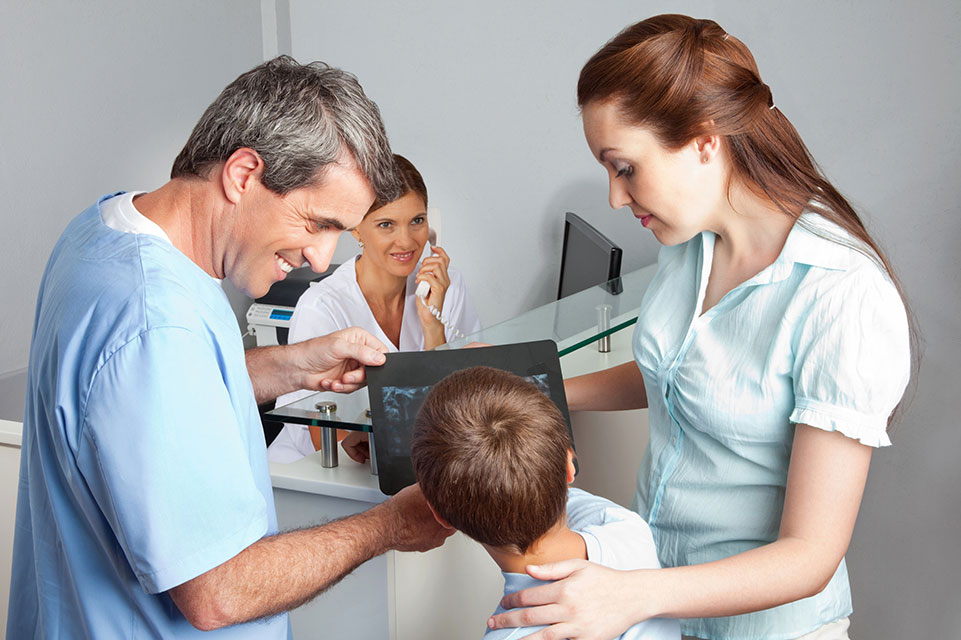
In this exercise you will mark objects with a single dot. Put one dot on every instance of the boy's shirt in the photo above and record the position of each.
(615, 537)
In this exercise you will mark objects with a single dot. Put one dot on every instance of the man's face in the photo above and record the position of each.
(273, 234)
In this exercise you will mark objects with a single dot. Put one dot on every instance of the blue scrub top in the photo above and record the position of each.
(819, 337)
(143, 462)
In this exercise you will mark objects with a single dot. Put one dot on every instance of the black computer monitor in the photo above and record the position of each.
(588, 257)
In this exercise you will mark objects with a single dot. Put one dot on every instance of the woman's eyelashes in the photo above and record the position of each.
(625, 170)
(388, 225)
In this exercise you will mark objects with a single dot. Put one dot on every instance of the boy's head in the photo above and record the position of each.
(491, 454)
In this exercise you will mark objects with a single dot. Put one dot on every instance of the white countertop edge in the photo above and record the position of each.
(588, 360)
(11, 433)
(334, 490)
(348, 480)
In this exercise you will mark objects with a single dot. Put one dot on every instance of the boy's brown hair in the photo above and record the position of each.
(490, 453)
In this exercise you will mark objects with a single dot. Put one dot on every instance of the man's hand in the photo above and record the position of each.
(280, 572)
(336, 362)
(413, 526)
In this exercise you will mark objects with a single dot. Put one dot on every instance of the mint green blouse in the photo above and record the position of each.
(819, 337)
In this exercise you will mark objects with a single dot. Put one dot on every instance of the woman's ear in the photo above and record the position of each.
(570, 466)
(707, 147)
(240, 172)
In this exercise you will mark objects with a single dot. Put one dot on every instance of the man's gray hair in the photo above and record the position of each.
(300, 119)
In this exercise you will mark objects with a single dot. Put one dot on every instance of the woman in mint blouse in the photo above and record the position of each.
(771, 349)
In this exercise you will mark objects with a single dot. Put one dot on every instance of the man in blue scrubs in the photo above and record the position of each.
(145, 507)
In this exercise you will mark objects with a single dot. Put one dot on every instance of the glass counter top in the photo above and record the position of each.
(571, 322)
(352, 411)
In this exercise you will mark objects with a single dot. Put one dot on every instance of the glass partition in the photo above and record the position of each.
(572, 322)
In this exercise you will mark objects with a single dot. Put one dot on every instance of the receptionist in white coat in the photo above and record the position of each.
(376, 289)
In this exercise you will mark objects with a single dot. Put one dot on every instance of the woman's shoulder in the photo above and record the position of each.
(838, 262)
(342, 282)
(327, 305)
(456, 277)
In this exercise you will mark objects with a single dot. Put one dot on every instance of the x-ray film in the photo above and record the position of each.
(398, 388)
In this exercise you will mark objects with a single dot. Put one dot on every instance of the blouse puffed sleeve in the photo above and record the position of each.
(852, 356)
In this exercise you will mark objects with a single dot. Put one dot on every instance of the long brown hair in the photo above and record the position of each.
(682, 78)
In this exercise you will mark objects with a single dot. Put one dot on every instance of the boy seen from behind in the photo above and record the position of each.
(493, 457)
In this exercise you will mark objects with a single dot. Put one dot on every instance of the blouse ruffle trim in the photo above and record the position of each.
(870, 431)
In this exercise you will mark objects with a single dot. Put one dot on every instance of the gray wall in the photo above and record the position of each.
(96, 97)
(480, 97)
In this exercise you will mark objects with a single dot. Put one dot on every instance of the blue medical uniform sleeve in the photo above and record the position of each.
(852, 358)
(163, 454)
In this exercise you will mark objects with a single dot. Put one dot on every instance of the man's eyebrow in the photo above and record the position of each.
(332, 222)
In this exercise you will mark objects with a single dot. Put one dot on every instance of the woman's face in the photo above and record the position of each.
(672, 193)
(394, 235)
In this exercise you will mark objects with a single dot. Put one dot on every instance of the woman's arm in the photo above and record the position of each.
(614, 389)
(825, 484)
(433, 271)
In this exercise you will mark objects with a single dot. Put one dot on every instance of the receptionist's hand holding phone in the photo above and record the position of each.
(432, 283)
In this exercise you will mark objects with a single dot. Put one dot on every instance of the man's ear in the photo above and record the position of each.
(570, 466)
(441, 521)
(241, 170)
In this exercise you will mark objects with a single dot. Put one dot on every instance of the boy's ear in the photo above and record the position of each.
(570, 466)
(441, 521)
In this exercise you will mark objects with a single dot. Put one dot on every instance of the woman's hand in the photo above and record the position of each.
(357, 446)
(433, 271)
(826, 478)
(588, 602)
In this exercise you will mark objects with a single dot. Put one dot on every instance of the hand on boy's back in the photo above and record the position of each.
(414, 525)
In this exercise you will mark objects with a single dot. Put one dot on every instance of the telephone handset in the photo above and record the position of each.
(423, 290)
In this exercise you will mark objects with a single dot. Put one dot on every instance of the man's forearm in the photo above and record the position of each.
(282, 572)
(270, 372)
